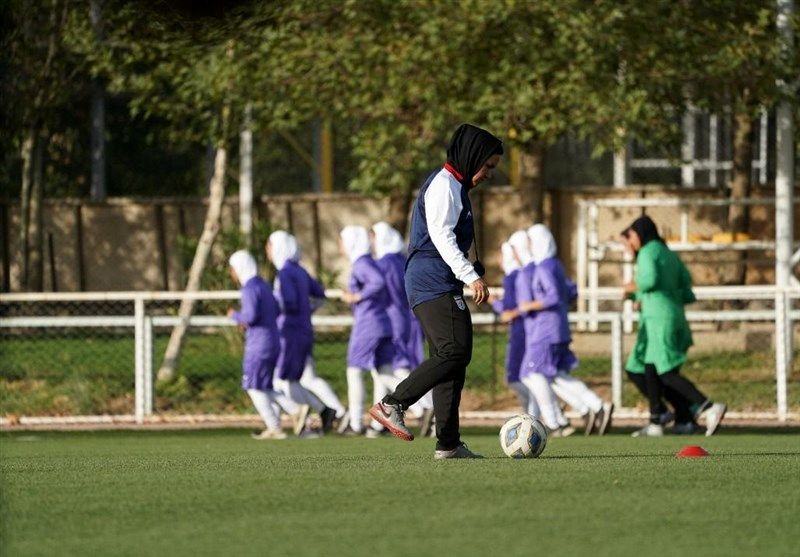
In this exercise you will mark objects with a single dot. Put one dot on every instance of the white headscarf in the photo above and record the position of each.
(244, 265)
(510, 263)
(543, 245)
(521, 245)
(356, 242)
(387, 240)
(284, 248)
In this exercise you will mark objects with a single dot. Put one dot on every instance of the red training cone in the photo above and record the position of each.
(692, 451)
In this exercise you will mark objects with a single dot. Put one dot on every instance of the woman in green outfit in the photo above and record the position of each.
(661, 289)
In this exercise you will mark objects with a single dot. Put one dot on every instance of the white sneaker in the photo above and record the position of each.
(563, 431)
(269, 434)
(589, 421)
(604, 418)
(650, 430)
(344, 422)
(714, 415)
(299, 418)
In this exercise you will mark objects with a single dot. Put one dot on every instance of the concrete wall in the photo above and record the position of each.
(133, 244)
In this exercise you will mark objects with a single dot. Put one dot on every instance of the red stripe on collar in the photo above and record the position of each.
(449, 167)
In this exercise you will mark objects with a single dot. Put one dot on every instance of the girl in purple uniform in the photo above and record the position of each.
(548, 358)
(296, 293)
(258, 315)
(506, 308)
(370, 344)
(389, 248)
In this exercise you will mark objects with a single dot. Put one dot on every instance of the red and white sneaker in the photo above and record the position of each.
(390, 416)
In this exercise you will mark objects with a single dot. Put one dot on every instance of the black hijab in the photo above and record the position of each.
(470, 148)
(645, 228)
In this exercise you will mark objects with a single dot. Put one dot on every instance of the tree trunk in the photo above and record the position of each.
(26, 153)
(741, 182)
(741, 177)
(210, 229)
(246, 177)
(35, 259)
(98, 190)
(400, 209)
(531, 163)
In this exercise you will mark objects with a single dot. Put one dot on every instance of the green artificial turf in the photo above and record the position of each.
(221, 493)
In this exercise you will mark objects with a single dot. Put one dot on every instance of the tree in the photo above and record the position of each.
(41, 78)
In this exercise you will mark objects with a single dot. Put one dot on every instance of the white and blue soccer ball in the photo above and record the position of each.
(523, 436)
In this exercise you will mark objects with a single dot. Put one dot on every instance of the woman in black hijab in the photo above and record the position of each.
(437, 270)
(663, 286)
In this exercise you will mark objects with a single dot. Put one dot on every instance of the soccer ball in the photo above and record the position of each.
(523, 436)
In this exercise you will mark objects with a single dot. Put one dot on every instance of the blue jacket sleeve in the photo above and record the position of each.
(523, 289)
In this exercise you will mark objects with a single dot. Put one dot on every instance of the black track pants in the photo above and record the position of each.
(447, 324)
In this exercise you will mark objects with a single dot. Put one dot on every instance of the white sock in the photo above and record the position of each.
(381, 386)
(301, 396)
(355, 396)
(539, 387)
(320, 388)
(263, 403)
(526, 400)
(574, 392)
(280, 398)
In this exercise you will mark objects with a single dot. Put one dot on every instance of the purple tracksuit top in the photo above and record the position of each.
(392, 266)
(551, 286)
(258, 313)
(547, 334)
(370, 315)
(516, 329)
(294, 289)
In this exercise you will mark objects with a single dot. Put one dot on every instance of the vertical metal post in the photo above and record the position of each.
(784, 219)
(782, 356)
(616, 361)
(688, 149)
(148, 365)
(594, 267)
(713, 139)
(627, 305)
(684, 225)
(622, 167)
(762, 147)
(581, 262)
(139, 371)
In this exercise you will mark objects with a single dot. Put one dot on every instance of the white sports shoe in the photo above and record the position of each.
(714, 416)
(650, 430)
(299, 418)
(269, 434)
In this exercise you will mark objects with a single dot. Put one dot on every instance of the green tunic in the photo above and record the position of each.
(664, 286)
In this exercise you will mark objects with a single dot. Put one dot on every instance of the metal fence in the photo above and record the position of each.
(96, 353)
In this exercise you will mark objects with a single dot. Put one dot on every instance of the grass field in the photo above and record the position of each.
(52, 375)
(220, 493)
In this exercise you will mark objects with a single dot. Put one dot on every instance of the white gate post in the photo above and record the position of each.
(616, 361)
(148, 366)
(139, 359)
(782, 356)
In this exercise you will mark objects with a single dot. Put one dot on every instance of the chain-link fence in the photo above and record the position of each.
(91, 356)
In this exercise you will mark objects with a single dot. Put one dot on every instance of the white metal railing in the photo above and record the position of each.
(143, 323)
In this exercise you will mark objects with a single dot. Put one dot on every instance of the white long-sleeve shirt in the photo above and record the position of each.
(442, 208)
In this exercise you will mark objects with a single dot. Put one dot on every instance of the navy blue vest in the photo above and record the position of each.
(427, 275)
